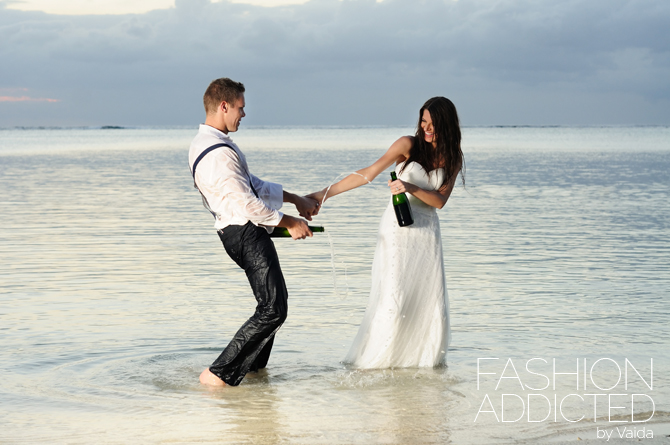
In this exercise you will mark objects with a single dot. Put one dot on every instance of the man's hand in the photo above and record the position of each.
(296, 227)
(307, 207)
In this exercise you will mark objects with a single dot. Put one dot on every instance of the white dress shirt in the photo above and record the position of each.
(223, 179)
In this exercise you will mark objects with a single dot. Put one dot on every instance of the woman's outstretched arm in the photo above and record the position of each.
(397, 152)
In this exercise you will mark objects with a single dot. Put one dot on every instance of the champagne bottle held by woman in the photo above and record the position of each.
(403, 211)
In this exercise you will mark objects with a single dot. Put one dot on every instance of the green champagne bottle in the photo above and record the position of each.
(282, 232)
(403, 212)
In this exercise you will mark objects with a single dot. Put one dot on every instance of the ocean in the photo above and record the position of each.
(115, 292)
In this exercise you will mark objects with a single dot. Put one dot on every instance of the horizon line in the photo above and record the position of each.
(315, 126)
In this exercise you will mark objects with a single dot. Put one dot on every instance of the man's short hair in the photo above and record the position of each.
(221, 90)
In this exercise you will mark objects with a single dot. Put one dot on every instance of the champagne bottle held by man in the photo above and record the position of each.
(403, 211)
(281, 232)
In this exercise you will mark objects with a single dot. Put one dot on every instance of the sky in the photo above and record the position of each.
(335, 62)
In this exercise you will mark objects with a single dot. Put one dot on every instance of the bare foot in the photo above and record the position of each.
(207, 378)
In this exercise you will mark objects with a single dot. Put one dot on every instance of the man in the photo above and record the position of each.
(245, 210)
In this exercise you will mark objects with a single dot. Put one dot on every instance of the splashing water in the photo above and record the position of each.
(332, 264)
(325, 195)
(332, 246)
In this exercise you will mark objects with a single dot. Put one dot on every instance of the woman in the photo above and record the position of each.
(406, 323)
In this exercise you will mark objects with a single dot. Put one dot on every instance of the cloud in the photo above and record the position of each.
(105, 7)
(353, 61)
(25, 99)
(84, 7)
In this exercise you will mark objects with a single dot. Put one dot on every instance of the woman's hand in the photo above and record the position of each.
(434, 198)
(318, 196)
(399, 186)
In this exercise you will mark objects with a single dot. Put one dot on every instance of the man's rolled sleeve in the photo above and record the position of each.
(239, 195)
(254, 209)
(270, 192)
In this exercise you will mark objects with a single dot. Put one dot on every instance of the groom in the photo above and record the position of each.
(245, 210)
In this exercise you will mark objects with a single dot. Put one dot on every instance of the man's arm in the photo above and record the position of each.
(222, 178)
(231, 179)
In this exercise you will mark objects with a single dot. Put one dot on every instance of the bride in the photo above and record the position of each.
(406, 323)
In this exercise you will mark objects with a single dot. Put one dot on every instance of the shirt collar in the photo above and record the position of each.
(209, 130)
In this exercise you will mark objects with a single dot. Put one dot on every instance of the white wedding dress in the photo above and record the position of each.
(406, 322)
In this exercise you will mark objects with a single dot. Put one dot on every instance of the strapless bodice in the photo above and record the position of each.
(414, 173)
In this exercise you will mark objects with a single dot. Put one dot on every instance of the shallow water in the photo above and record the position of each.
(115, 291)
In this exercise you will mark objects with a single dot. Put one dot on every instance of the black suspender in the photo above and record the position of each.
(202, 155)
(197, 161)
(207, 150)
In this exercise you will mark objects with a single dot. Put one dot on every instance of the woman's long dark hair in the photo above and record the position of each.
(447, 135)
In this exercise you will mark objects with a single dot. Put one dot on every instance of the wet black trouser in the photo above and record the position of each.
(249, 350)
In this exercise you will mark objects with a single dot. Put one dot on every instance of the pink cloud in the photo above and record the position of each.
(26, 99)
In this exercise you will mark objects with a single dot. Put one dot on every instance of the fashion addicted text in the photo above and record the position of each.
(604, 389)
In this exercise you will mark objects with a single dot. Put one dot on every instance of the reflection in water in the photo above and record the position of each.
(115, 291)
(404, 404)
(250, 410)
